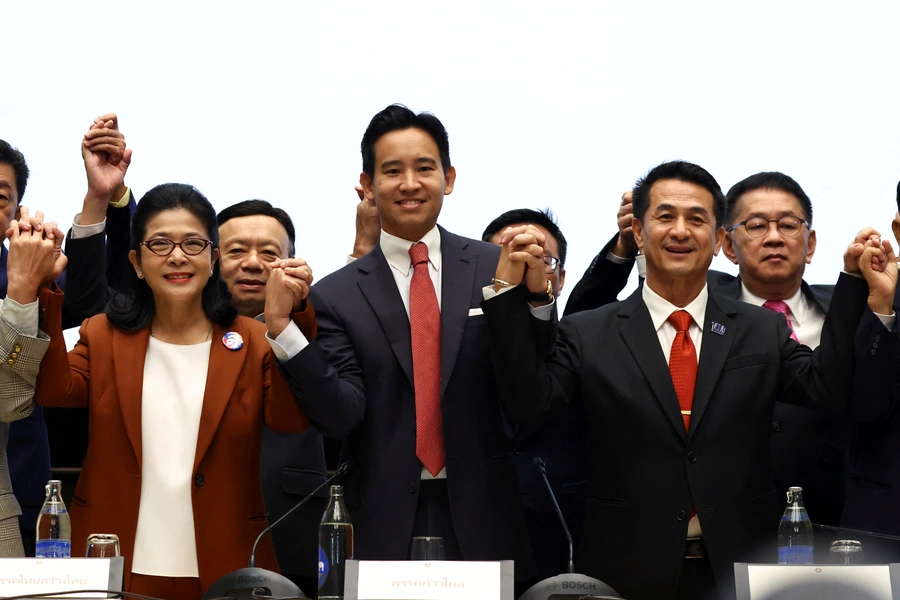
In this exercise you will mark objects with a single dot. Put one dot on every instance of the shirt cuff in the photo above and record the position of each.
(21, 317)
(350, 259)
(123, 201)
(887, 320)
(289, 343)
(613, 258)
(544, 313)
(85, 231)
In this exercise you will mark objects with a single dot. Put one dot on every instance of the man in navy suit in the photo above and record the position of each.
(678, 386)
(361, 377)
(809, 448)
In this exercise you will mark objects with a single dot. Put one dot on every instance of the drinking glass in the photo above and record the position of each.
(846, 552)
(102, 545)
(427, 548)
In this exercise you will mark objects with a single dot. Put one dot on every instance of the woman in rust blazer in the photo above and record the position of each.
(179, 299)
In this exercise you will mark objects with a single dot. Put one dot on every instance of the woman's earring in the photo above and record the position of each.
(211, 272)
(140, 274)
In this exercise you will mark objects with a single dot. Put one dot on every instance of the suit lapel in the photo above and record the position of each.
(713, 353)
(639, 335)
(130, 349)
(457, 278)
(221, 380)
(379, 287)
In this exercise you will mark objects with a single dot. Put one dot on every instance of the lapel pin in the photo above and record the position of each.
(718, 328)
(233, 341)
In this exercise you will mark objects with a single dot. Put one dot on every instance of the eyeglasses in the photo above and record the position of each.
(550, 264)
(164, 247)
(758, 227)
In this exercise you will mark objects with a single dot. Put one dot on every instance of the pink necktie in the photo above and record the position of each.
(780, 306)
(683, 364)
(425, 329)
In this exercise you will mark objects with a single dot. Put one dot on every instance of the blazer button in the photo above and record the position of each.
(14, 355)
(18, 349)
(412, 488)
(692, 456)
(776, 427)
(517, 449)
(10, 362)
(877, 338)
(199, 480)
(682, 515)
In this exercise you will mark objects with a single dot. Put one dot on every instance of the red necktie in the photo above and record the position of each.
(683, 363)
(425, 327)
(780, 306)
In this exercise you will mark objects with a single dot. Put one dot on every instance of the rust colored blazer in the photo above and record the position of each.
(244, 389)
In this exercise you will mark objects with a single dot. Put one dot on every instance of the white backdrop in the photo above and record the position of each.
(559, 104)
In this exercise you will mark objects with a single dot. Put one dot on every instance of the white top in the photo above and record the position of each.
(171, 403)
(806, 317)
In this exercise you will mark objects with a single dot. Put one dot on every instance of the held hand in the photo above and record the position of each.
(298, 277)
(368, 225)
(35, 255)
(106, 160)
(855, 249)
(626, 246)
(280, 290)
(522, 257)
(879, 268)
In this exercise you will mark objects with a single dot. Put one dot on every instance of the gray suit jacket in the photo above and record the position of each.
(20, 359)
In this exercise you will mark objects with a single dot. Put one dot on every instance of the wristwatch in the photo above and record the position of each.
(545, 296)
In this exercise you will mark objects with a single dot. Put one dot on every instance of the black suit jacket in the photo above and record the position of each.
(356, 382)
(646, 471)
(292, 465)
(810, 448)
(873, 496)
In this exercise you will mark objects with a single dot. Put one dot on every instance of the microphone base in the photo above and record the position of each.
(569, 585)
(240, 584)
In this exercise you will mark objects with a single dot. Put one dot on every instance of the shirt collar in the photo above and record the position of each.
(660, 308)
(396, 250)
(796, 303)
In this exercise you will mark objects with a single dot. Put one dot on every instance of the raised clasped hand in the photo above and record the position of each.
(35, 255)
(522, 257)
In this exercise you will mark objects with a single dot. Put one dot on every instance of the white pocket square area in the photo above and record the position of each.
(473, 312)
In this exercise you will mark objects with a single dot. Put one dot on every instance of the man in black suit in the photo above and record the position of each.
(874, 491)
(679, 452)
(561, 442)
(810, 448)
(424, 430)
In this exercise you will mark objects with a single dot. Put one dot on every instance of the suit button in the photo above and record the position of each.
(517, 449)
(776, 427)
(877, 339)
(412, 488)
(10, 362)
(199, 480)
(18, 349)
(682, 515)
(14, 355)
(691, 456)
(874, 352)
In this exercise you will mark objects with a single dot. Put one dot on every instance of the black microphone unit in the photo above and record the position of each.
(571, 585)
(251, 582)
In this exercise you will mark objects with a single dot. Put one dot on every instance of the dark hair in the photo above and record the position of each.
(252, 208)
(136, 310)
(395, 117)
(544, 218)
(898, 195)
(682, 171)
(12, 157)
(768, 180)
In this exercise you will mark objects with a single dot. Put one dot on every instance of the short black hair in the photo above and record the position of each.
(682, 171)
(396, 117)
(12, 157)
(252, 208)
(544, 218)
(136, 309)
(898, 195)
(767, 180)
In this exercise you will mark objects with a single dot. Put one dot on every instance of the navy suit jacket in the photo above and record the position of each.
(356, 380)
(646, 471)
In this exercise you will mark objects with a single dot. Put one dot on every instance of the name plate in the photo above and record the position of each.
(434, 580)
(23, 576)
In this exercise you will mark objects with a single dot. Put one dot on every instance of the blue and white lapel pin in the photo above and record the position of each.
(717, 328)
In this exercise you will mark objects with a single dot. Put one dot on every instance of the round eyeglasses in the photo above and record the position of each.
(758, 227)
(550, 264)
(164, 247)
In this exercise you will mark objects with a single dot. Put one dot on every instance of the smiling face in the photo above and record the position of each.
(409, 183)
(177, 277)
(771, 266)
(248, 245)
(678, 235)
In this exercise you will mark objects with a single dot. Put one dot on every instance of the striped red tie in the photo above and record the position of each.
(425, 328)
